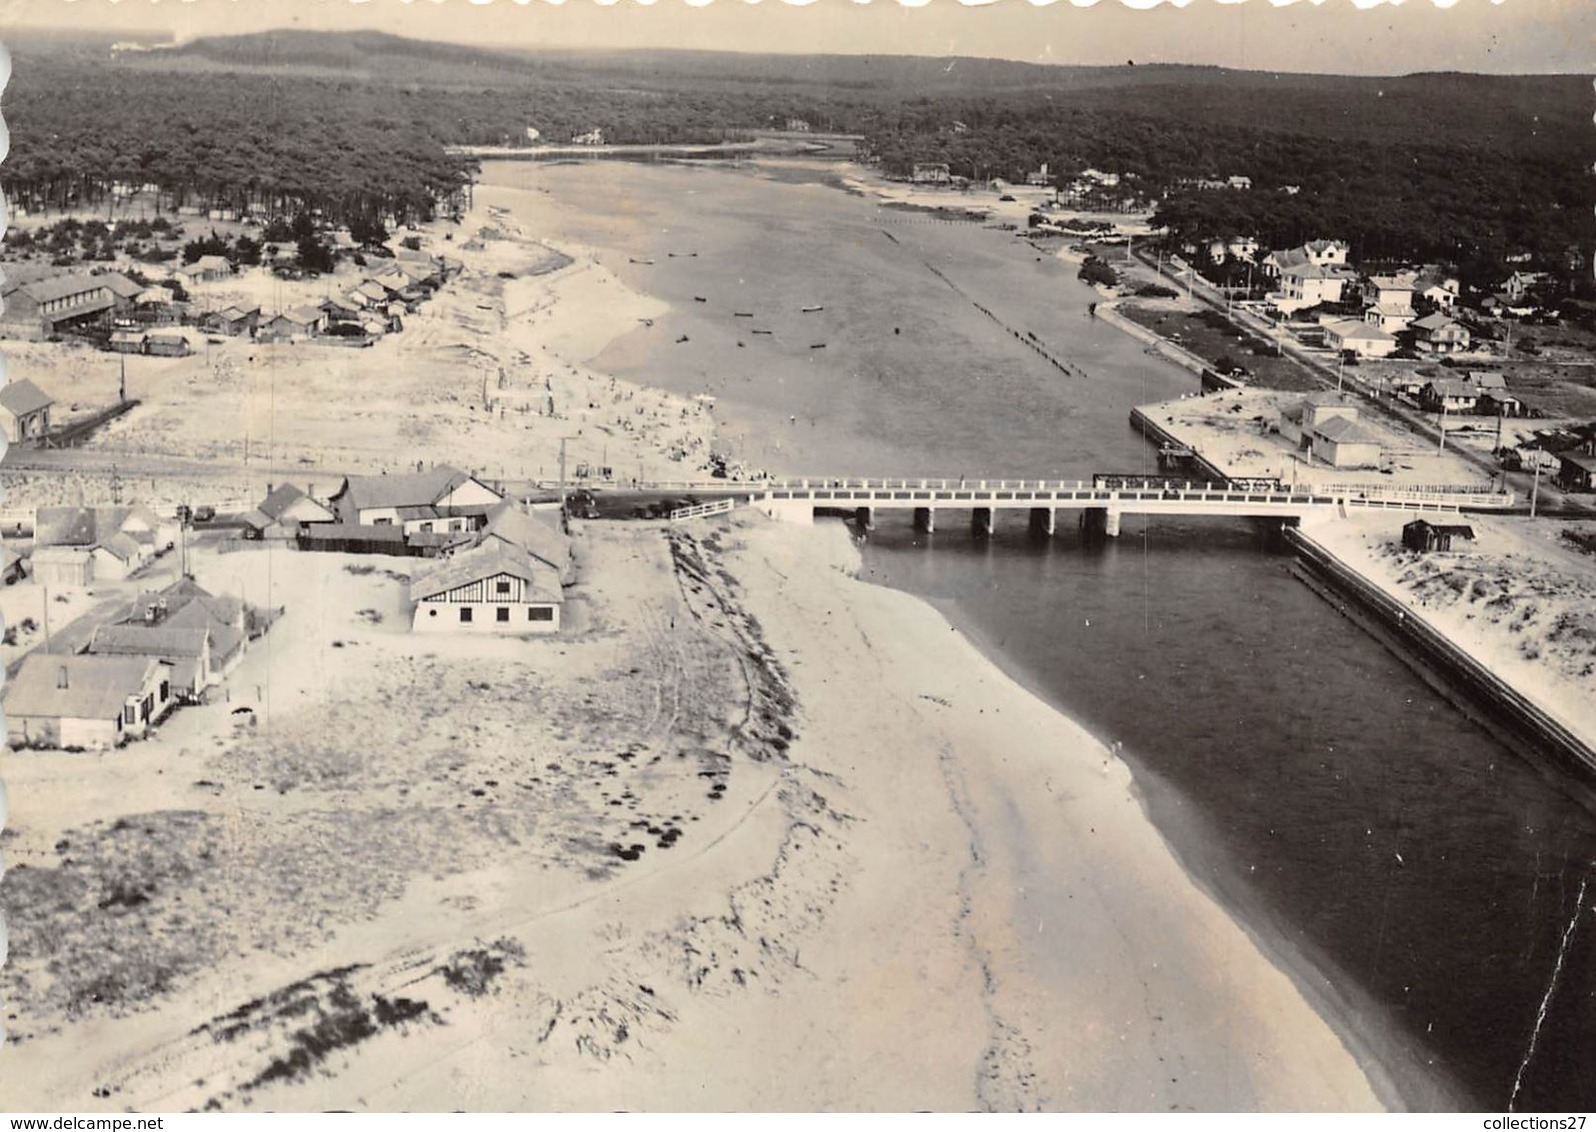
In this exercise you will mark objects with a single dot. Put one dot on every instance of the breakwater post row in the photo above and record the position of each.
(1477, 691)
(1027, 339)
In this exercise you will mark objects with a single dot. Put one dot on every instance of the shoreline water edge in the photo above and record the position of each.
(1324, 1016)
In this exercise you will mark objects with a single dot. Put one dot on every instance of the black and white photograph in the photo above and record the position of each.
(798, 557)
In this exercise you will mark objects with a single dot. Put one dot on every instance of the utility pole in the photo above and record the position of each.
(1340, 368)
(1440, 423)
(1535, 487)
(121, 387)
(564, 521)
(46, 618)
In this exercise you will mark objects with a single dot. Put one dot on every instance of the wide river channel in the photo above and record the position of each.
(1418, 878)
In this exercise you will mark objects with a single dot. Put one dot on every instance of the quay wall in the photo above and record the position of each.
(1155, 431)
(1477, 691)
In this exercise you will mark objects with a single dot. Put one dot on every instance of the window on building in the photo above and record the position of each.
(166, 691)
(503, 613)
(540, 613)
(465, 615)
(501, 587)
(426, 528)
(382, 522)
(130, 713)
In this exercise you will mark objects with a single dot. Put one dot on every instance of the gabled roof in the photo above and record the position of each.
(1355, 329)
(21, 397)
(1579, 460)
(65, 526)
(1436, 321)
(119, 285)
(1390, 283)
(527, 532)
(1485, 379)
(123, 547)
(409, 489)
(1340, 430)
(1459, 530)
(485, 562)
(162, 641)
(1453, 387)
(281, 498)
(213, 263)
(60, 286)
(96, 686)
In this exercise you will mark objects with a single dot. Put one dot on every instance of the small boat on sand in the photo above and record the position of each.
(743, 314)
(645, 262)
(812, 310)
(699, 299)
(817, 346)
(764, 332)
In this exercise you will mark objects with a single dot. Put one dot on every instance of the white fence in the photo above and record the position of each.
(702, 510)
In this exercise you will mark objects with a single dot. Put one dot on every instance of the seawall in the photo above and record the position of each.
(1477, 691)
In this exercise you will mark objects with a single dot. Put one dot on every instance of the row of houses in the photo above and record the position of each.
(1568, 453)
(100, 689)
(363, 313)
(78, 546)
(500, 568)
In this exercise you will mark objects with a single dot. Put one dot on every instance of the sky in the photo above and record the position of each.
(1333, 36)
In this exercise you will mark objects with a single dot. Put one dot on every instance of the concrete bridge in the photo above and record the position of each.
(796, 500)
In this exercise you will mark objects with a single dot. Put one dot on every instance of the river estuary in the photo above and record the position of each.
(1414, 875)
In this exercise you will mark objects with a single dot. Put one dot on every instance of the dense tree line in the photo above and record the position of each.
(1401, 184)
(1453, 167)
(220, 141)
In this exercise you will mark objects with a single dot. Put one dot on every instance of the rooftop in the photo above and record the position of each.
(95, 687)
(21, 397)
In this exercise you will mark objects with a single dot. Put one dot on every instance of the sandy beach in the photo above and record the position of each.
(753, 834)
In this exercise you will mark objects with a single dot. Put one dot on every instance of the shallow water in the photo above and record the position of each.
(1353, 819)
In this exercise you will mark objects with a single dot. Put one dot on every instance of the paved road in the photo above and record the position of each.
(1323, 369)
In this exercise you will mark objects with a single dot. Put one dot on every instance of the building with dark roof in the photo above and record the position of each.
(1423, 536)
(50, 306)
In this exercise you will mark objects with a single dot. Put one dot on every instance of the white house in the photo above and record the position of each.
(85, 702)
(1359, 337)
(1343, 443)
(489, 589)
(186, 650)
(1318, 253)
(1298, 421)
(441, 499)
(282, 511)
(1390, 303)
(1304, 285)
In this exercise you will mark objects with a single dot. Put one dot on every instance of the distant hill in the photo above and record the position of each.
(1428, 108)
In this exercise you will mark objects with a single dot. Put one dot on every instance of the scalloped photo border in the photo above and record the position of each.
(5, 216)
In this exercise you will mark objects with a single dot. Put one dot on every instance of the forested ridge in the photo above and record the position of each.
(1443, 166)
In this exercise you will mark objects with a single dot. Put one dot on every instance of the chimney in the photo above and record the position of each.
(61, 677)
